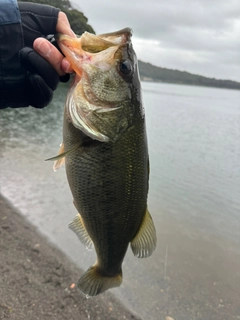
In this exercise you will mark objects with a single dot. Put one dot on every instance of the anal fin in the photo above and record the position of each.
(77, 226)
(144, 242)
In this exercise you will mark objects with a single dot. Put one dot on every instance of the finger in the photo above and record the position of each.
(37, 65)
(63, 25)
(50, 53)
(66, 66)
(41, 95)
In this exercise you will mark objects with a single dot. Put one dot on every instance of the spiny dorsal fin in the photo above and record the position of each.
(78, 227)
(144, 243)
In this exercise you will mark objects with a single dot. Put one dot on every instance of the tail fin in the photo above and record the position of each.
(93, 283)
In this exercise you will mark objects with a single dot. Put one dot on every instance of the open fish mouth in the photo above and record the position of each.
(86, 48)
(99, 101)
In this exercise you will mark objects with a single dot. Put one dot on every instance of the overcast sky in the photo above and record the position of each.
(198, 36)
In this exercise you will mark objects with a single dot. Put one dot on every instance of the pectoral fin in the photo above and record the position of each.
(59, 160)
(144, 243)
(77, 226)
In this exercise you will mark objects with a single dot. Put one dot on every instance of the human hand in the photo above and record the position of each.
(50, 52)
(45, 64)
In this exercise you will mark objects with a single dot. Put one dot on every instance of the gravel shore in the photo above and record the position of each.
(37, 280)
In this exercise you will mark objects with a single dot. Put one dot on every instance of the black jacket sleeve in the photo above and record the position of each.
(12, 74)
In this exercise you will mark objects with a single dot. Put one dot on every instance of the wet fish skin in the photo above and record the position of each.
(108, 171)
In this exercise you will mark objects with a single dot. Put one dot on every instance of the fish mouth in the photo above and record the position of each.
(99, 100)
(91, 48)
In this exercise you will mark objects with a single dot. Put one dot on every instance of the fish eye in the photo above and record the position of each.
(125, 67)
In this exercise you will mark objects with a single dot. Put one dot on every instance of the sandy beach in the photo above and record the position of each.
(37, 280)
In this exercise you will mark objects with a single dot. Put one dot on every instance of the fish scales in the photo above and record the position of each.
(106, 156)
(105, 185)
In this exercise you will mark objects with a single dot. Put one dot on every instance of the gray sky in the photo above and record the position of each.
(198, 36)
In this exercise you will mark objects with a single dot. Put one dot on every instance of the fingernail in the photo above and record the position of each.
(66, 66)
(70, 33)
(73, 34)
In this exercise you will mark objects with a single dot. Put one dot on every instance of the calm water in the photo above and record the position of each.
(194, 145)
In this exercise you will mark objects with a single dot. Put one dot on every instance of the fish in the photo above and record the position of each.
(105, 153)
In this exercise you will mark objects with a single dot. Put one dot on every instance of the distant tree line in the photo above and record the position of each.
(76, 18)
(150, 72)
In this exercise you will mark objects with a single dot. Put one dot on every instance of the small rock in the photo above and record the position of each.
(72, 286)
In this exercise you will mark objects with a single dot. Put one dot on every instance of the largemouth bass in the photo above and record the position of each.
(106, 155)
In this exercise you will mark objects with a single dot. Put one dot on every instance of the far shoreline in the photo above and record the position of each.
(187, 84)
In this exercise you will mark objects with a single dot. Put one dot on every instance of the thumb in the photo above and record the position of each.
(63, 25)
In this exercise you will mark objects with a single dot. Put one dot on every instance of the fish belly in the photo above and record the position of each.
(109, 184)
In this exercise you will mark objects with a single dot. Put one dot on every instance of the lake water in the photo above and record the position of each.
(194, 198)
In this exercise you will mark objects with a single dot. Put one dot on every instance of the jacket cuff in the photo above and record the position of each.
(11, 71)
(9, 12)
